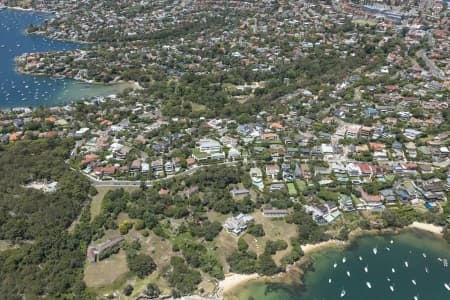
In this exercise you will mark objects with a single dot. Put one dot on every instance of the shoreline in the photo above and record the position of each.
(427, 227)
(18, 8)
(228, 285)
(234, 280)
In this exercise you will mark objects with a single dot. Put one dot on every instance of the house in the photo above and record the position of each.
(346, 203)
(366, 170)
(306, 171)
(157, 166)
(276, 187)
(331, 206)
(275, 213)
(190, 162)
(236, 225)
(272, 170)
(404, 195)
(122, 153)
(269, 136)
(209, 146)
(145, 168)
(297, 172)
(135, 166)
(257, 177)
(240, 192)
(353, 170)
(169, 168)
(96, 251)
(81, 132)
(411, 149)
(366, 132)
(326, 149)
(104, 171)
(234, 153)
(352, 132)
(371, 200)
(388, 196)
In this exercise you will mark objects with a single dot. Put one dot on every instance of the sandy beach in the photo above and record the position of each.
(233, 280)
(308, 248)
(427, 227)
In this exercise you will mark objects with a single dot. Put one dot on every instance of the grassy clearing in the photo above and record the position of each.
(291, 189)
(107, 271)
(226, 243)
(301, 185)
(96, 203)
(6, 245)
(275, 229)
(198, 107)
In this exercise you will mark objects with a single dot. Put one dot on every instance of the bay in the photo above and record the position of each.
(415, 256)
(19, 90)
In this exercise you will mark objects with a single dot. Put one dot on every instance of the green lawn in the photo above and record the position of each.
(291, 189)
(301, 185)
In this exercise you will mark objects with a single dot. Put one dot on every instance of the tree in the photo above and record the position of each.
(266, 265)
(242, 245)
(128, 290)
(256, 230)
(152, 290)
(140, 264)
(446, 233)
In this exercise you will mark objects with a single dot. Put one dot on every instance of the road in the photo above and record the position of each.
(430, 64)
(118, 183)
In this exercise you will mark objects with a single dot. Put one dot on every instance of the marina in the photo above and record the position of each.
(389, 278)
(20, 90)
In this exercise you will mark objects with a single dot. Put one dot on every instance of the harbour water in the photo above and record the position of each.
(406, 266)
(18, 90)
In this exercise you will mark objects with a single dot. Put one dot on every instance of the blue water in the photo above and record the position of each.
(17, 90)
(420, 249)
